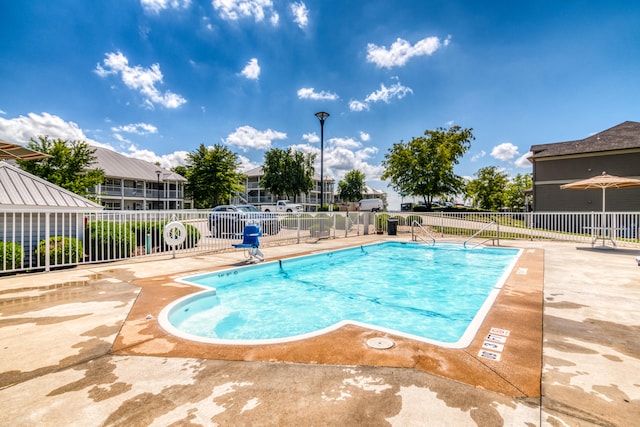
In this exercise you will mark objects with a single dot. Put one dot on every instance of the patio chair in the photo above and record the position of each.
(251, 243)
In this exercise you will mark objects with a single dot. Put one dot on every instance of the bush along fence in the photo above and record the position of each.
(45, 240)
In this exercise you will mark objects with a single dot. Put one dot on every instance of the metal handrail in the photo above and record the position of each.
(415, 236)
(487, 239)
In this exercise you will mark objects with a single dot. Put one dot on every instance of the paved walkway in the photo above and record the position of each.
(75, 349)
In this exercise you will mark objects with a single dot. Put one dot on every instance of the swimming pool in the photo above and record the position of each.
(436, 294)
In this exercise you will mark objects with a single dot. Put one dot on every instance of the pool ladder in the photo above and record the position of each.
(416, 236)
(493, 238)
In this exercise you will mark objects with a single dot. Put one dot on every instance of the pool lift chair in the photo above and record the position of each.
(251, 243)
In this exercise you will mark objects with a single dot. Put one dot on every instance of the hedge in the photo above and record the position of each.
(155, 230)
(11, 256)
(62, 250)
(109, 240)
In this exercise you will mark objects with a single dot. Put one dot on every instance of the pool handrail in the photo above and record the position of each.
(415, 236)
(497, 236)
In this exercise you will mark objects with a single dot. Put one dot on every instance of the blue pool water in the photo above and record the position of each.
(429, 293)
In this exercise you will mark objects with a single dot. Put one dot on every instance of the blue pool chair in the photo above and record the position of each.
(251, 243)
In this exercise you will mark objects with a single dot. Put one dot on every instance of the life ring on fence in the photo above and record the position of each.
(175, 233)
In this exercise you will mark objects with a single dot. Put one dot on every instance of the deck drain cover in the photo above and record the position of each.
(380, 343)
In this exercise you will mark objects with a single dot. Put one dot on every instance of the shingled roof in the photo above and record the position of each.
(620, 137)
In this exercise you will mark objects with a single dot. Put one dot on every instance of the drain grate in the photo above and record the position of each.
(380, 343)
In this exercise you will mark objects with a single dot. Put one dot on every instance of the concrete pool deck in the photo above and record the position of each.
(82, 346)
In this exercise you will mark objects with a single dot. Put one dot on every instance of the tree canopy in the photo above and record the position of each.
(287, 172)
(68, 166)
(488, 190)
(212, 175)
(515, 197)
(424, 167)
(350, 188)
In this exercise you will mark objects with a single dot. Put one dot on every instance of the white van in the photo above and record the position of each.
(372, 205)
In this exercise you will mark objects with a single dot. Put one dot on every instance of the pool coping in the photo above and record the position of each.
(509, 362)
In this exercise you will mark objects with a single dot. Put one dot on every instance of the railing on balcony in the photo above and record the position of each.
(43, 240)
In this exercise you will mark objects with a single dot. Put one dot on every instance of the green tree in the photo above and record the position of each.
(287, 173)
(70, 164)
(423, 167)
(212, 175)
(350, 189)
(515, 192)
(488, 190)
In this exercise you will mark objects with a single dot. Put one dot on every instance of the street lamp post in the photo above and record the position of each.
(322, 116)
(158, 189)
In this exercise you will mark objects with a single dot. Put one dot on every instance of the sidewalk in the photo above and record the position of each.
(78, 349)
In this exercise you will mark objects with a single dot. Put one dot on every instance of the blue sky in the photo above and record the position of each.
(153, 79)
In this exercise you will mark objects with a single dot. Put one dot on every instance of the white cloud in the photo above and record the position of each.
(137, 128)
(275, 18)
(355, 105)
(504, 151)
(247, 164)
(167, 161)
(386, 94)
(246, 137)
(121, 138)
(310, 93)
(364, 136)
(345, 143)
(342, 155)
(300, 14)
(3, 112)
(21, 129)
(311, 138)
(252, 69)
(156, 6)
(523, 161)
(478, 156)
(401, 51)
(233, 10)
(138, 78)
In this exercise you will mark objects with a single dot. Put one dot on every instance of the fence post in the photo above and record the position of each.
(47, 250)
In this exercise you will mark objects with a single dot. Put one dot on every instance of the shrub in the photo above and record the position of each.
(10, 254)
(341, 222)
(381, 221)
(291, 221)
(193, 237)
(412, 218)
(62, 250)
(191, 240)
(109, 240)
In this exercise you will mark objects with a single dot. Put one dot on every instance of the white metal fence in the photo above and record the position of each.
(42, 240)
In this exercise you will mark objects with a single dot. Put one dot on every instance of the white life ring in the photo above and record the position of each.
(175, 233)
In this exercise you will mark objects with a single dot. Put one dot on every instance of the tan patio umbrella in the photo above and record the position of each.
(603, 181)
(9, 150)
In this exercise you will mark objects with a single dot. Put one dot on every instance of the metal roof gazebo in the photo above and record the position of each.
(13, 151)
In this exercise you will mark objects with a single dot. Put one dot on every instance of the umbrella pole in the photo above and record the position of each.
(603, 221)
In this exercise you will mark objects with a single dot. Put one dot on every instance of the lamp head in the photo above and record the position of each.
(322, 115)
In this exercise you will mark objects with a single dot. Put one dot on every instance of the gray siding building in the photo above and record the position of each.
(615, 151)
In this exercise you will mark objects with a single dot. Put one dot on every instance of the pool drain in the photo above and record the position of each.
(380, 343)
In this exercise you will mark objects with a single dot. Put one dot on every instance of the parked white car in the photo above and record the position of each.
(282, 206)
(371, 205)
